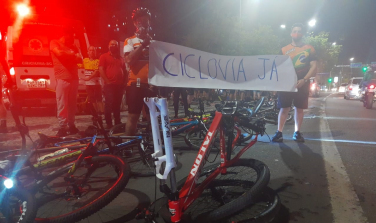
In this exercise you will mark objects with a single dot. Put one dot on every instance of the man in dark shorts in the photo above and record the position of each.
(112, 70)
(136, 53)
(303, 57)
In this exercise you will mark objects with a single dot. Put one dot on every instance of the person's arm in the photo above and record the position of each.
(94, 74)
(134, 55)
(103, 75)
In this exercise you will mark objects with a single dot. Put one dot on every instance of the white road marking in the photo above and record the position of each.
(343, 141)
(345, 203)
(341, 118)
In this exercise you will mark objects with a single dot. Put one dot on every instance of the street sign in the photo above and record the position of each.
(335, 79)
(355, 65)
(342, 65)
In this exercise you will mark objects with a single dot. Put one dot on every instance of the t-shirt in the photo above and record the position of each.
(114, 68)
(65, 67)
(140, 68)
(301, 57)
(91, 66)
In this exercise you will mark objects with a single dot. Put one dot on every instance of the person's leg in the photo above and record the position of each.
(108, 101)
(118, 97)
(299, 115)
(3, 116)
(62, 90)
(176, 101)
(183, 92)
(135, 104)
(72, 103)
(282, 117)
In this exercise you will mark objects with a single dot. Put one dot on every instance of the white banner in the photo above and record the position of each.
(178, 66)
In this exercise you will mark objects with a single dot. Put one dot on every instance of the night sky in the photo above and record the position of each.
(350, 23)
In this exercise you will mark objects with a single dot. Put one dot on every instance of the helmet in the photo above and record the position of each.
(140, 12)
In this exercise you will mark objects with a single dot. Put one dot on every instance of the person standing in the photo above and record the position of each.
(136, 53)
(92, 80)
(4, 70)
(65, 56)
(304, 60)
(183, 93)
(112, 70)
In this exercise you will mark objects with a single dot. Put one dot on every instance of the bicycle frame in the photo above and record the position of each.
(180, 201)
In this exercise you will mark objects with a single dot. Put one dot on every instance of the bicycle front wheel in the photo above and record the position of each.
(229, 193)
(94, 184)
(17, 206)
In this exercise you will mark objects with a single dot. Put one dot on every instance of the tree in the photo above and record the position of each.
(327, 53)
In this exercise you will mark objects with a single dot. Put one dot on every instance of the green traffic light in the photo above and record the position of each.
(364, 69)
(330, 80)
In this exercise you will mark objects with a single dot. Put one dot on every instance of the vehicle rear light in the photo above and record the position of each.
(11, 71)
(372, 87)
(350, 88)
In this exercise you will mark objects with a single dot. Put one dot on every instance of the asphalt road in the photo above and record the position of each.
(329, 178)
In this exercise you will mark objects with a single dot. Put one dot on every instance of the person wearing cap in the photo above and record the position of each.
(65, 56)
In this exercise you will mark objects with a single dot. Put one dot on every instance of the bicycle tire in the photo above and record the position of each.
(192, 214)
(54, 187)
(139, 160)
(264, 208)
(195, 137)
(23, 204)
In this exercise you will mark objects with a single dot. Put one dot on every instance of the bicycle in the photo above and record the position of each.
(183, 196)
(89, 183)
(16, 205)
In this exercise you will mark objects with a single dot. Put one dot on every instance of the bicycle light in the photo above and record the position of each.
(8, 183)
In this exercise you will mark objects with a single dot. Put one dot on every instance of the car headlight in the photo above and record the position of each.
(8, 183)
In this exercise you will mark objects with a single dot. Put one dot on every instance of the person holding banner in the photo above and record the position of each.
(136, 53)
(304, 59)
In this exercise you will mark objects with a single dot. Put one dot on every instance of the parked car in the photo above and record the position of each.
(342, 88)
(352, 89)
(323, 88)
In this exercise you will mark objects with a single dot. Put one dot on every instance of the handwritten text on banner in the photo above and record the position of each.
(178, 66)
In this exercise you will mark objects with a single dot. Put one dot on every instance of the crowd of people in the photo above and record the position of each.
(113, 74)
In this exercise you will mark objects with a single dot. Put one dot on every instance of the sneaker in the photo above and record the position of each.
(61, 132)
(72, 130)
(278, 137)
(298, 137)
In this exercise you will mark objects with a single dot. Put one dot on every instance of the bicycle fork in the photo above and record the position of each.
(168, 158)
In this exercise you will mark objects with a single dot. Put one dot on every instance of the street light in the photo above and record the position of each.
(23, 10)
(352, 58)
(312, 22)
(283, 26)
(334, 43)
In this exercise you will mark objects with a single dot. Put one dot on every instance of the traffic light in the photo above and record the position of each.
(330, 80)
(364, 69)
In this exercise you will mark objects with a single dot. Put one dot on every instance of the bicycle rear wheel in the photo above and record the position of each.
(95, 183)
(19, 206)
(221, 200)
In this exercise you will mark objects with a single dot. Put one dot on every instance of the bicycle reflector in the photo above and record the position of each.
(8, 183)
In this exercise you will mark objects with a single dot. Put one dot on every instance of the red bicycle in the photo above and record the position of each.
(221, 192)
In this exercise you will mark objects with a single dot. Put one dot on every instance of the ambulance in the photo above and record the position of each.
(29, 58)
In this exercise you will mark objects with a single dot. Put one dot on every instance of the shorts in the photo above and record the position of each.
(94, 93)
(299, 99)
(232, 91)
(135, 98)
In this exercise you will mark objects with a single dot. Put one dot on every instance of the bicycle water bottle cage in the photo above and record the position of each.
(230, 108)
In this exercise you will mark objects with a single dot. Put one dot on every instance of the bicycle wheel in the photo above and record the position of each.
(139, 159)
(95, 183)
(18, 206)
(218, 202)
(264, 207)
(195, 137)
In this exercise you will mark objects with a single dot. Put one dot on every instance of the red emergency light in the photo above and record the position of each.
(23, 10)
